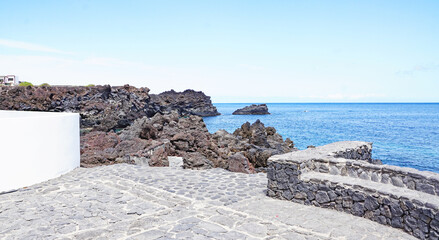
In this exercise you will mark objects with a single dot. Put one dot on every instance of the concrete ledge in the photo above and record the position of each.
(403, 198)
(36, 146)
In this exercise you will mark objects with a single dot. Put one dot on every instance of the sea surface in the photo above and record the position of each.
(403, 134)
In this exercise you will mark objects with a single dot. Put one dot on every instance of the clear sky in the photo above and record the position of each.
(234, 51)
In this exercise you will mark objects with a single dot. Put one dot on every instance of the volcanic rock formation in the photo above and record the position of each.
(101, 107)
(253, 109)
(161, 136)
(189, 102)
(105, 108)
(129, 125)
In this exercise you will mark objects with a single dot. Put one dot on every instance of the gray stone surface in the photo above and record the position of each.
(140, 202)
(403, 198)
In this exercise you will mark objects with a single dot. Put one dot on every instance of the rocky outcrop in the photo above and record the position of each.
(150, 127)
(101, 108)
(189, 102)
(161, 136)
(105, 108)
(157, 138)
(255, 141)
(253, 109)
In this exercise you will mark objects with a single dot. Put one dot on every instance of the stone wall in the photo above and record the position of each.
(403, 198)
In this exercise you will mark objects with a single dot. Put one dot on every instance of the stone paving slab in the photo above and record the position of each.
(138, 202)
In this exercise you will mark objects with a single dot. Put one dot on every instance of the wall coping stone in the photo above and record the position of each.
(326, 154)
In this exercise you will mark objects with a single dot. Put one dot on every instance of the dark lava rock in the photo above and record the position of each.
(97, 148)
(239, 163)
(196, 160)
(101, 108)
(105, 108)
(253, 109)
(255, 141)
(161, 136)
(186, 103)
(150, 127)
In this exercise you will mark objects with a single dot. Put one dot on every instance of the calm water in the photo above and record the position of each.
(405, 134)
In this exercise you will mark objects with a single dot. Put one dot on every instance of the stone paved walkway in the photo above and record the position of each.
(138, 202)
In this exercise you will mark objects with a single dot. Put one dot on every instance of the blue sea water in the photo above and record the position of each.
(403, 134)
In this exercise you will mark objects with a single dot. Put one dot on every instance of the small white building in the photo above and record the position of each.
(8, 80)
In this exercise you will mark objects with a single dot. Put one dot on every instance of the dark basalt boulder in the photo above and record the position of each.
(186, 103)
(253, 109)
(264, 142)
(238, 162)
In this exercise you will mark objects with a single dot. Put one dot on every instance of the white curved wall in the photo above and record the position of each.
(36, 146)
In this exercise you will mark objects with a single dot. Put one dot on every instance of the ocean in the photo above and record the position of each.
(403, 134)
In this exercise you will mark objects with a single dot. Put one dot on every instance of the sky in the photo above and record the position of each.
(234, 51)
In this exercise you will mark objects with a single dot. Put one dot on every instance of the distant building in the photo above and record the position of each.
(8, 80)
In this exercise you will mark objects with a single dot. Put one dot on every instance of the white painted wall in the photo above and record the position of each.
(36, 146)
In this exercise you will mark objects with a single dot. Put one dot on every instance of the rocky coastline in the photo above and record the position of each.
(128, 125)
(154, 139)
(254, 109)
(105, 108)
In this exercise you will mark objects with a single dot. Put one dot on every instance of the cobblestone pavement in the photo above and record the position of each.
(137, 202)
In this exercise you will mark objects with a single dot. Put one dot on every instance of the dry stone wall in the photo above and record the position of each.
(403, 198)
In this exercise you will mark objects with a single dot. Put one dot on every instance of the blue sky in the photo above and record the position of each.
(234, 51)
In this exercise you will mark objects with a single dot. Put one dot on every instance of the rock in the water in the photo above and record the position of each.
(253, 109)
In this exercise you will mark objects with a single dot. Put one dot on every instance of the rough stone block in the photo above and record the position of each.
(358, 197)
(323, 168)
(332, 195)
(364, 176)
(334, 170)
(358, 209)
(397, 181)
(395, 209)
(371, 203)
(427, 188)
(385, 178)
(322, 197)
(396, 222)
(374, 177)
(300, 195)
